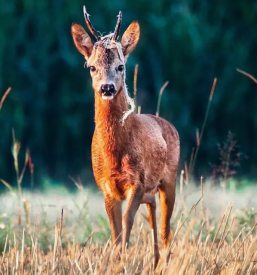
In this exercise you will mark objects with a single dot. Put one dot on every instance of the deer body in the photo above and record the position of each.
(133, 159)
(135, 152)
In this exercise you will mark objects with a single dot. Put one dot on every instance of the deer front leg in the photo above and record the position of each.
(134, 198)
(114, 212)
(151, 206)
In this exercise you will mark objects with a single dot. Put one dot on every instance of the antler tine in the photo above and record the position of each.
(89, 25)
(117, 28)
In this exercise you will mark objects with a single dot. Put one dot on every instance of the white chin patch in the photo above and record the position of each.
(105, 97)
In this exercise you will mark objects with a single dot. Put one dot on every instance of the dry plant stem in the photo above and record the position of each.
(199, 139)
(55, 248)
(248, 75)
(61, 223)
(247, 256)
(160, 97)
(216, 234)
(204, 253)
(241, 245)
(139, 110)
(181, 190)
(7, 185)
(16, 150)
(5, 245)
(24, 168)
(22, 251)
(179, 226)
(232, 246)
(27, 216)
(31, 167)
(186, 174)
(135, 86)
(199, 241)
(202, 204)
(4, 97)
(223, 234)
(250, 269)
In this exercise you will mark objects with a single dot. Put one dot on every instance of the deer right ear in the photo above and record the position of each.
(81, 40)
(130, 38)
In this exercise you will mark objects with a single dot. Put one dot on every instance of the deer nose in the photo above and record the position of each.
(108, 89)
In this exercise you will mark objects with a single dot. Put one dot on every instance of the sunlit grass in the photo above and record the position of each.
(212, 238)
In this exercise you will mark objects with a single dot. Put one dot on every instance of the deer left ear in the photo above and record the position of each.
(81, 40)
(130, 38)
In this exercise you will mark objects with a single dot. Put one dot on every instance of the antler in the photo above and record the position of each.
(117, 28)
(89, 25)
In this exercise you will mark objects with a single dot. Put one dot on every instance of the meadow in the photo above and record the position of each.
(55, 231)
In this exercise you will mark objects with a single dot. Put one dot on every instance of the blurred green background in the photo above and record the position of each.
(51, 105)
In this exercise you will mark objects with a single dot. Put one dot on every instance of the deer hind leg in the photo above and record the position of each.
(114, 212)
(134, 198)
(167, 200)
(151, 206)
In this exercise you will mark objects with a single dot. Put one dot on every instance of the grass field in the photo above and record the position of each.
(55, 232)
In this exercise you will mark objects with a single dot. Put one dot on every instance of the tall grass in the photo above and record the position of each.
(4, 97)
(160, 97)
(248, 75)
(201, 244)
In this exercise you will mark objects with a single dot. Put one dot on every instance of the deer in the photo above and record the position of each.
(134, 156)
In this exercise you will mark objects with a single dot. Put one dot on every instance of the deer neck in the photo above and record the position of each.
(111, 134)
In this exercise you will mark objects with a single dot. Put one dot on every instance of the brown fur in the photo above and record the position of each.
(131, 161)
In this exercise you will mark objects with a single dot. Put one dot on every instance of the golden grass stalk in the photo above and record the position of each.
(7, 185)
(202, 204)
(181, 189)
(186, 174)
(4, 97)
(248, 75)
(139, 110)
(31, 167)
(15, 152)
(19, 176)
(135, 86)
(160, 97)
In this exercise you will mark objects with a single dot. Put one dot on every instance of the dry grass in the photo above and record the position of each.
(4, 97)
(207, 236)
(205, 240)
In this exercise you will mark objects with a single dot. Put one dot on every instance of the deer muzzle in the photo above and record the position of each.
(108, 91)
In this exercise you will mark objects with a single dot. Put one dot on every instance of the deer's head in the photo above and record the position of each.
(106, 58)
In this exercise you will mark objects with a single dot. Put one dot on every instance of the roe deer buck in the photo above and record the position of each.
(133, 156)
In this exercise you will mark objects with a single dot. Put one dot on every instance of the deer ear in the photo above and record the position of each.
(130, 38)
(81, 40)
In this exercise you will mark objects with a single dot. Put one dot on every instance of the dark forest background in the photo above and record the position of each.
(51, 105)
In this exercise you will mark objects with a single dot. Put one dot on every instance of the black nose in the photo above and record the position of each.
(108, 89)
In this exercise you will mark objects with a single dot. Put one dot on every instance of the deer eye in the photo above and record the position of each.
(92, 68)
(120, 68)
